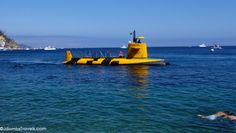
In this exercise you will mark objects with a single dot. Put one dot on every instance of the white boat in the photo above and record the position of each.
(49, 48)
(3, 49)
(217, 46)
(123, 46)
(202, 45)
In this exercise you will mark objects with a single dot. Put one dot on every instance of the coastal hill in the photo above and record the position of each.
(6, 42)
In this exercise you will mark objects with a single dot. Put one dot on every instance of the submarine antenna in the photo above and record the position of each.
(134, 36)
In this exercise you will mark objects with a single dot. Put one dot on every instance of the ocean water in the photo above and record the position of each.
(37, 90)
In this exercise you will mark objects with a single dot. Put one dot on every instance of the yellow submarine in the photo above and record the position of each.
(137, 54)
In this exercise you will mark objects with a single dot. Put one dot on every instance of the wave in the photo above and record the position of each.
(31, 62)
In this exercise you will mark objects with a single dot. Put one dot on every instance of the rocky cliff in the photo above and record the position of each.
(7, 42)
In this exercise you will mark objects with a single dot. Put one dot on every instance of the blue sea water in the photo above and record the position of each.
(37, 90)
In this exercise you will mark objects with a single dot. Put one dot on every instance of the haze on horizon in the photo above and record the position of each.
(109, 22)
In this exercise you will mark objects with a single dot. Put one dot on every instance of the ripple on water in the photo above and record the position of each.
(67, 98)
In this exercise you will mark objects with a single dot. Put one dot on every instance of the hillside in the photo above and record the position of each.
(6, 42)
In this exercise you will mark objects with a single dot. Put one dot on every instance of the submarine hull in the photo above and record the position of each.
(115, 61)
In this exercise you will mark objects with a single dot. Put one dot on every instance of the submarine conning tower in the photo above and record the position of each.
(137, 49)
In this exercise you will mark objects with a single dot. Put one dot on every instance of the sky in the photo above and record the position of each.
(109, 22)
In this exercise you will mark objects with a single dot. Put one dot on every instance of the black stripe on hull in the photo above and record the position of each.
(89, 62)
(106, 61)
(115, 63)
(73, 61)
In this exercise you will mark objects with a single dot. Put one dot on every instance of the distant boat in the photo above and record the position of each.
(123, 46)
(3, 49)
(202, 45)
(217, 46)
(49, 48)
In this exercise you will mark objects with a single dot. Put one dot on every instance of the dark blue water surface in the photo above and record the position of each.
(37, 90)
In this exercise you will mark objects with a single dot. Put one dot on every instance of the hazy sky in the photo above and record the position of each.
(156, 19)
